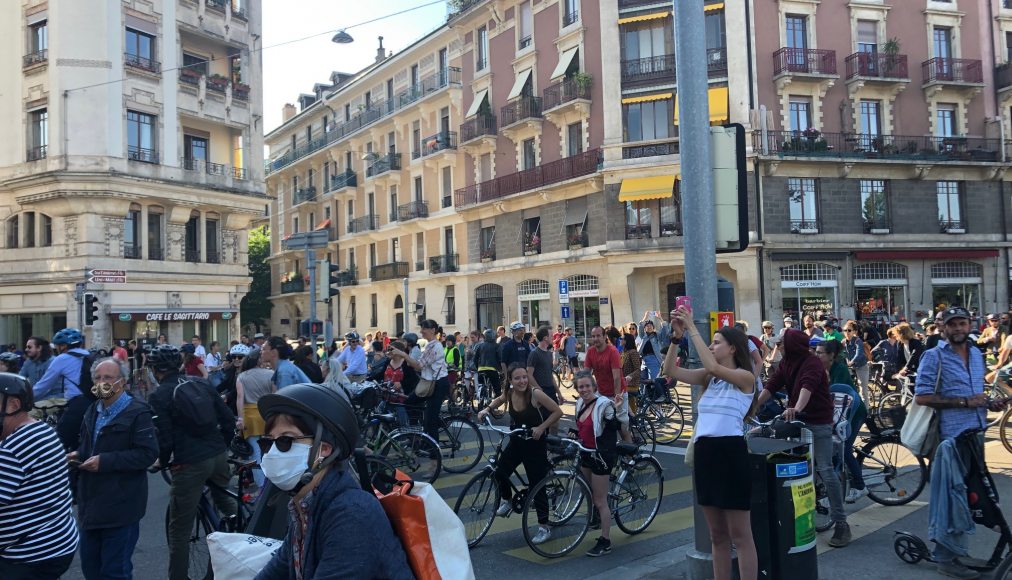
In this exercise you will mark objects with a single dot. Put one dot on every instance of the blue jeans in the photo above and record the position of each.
(853, 467)
(943, 555)
(653, 365)
(258, 474)
(106, 553)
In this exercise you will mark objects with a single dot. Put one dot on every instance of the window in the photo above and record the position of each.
(395, 246)
(571, 12)
(649, 120)
(574, 139)
(38, 39)
(481, 49)
(29, 226)
(800, 110)
(450, 306)
(191, 239)
(312, 221)
(195, 63)
(1008, 45)
(637, 219)
(532, 235)
(46, 231)
(529, 160)
(155, 251)
(945, 120)
(803, 202)
(942, 38)
(796, 27)
(235, 69)
(526, 25)
(373, 311)
(326, 212)
(140, 49)
(647, 43)
(372, 256)
(132, 234)
(295, 224)
(351, 259)
(867, 36)
(194, 152)
(393, 203)
(950, 215)
(13, 232)
(419, 195)
(347, 114)
(39, 134)
(716, 37)
(416, 140)
(874, 205)
(352, 315)
(447, 186)
(871, 125)
(211, 241)
(419, 251)
(141, 137)
(486, 241)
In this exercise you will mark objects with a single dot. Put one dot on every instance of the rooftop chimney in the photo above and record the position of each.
(287, 112)
(380, 53)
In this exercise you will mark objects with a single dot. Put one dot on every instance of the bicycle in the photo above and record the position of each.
(49, 411)
(665, 413)
(563, 373)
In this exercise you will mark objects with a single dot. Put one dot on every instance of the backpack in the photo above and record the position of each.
(193, 405)
(84, 380)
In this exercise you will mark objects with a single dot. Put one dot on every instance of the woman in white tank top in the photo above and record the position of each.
(720, 470)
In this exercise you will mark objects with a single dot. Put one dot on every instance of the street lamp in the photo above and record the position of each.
(342, 37)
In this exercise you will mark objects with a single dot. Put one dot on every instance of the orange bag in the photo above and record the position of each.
(407, 516)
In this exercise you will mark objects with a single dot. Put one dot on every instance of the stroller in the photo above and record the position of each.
(985, 509)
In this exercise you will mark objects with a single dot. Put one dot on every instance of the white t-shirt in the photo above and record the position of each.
(722, 410)
(200, 351)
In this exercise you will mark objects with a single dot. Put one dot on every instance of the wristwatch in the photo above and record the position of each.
(965, 402)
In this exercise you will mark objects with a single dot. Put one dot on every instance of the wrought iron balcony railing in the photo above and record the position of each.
(565, 91)
(388, 162)
(363, 224)
(952, 70)
(293, 286)
(192, 255)
(340, 181)
(435, 143)
(131, 252)
(804, 61)
(809, 226)
(478, 126)
(156, 253)
(859, 145)
(36, 153)
(877, 65)
(304, 194)
(410, 211)
(537, 177)
(430, 84)
(142, 154)
(142, 63)
(651, 69)
(952, 226)
(389, 271)
(443, 264)
(877, 224)
(35, 57)
(650, 150)
(521, 108)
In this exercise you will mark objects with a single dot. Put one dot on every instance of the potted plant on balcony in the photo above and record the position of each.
(217, 83)
(575, 241)
(488, 254)
(532, 244)
(583, 81)
(190, 75)
(240, 90)
(891, 49)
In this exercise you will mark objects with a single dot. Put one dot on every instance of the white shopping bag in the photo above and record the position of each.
(446, 532)
(239, 556)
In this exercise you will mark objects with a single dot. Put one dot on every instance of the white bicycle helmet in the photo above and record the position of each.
(240, 349)
(517, 326)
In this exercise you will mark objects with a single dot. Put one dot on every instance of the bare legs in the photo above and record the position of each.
(729, 527)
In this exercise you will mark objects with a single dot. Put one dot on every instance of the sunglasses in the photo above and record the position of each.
(284, 443)
(239, 356)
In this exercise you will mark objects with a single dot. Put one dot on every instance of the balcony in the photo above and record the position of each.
(430, 84)
(532, 244)
(156, 253)
(239, 12)
(650, 150)
(877, 66)
(442, 141)
(918, 149)
(567, 94)
(952, 226)
(419, 265)
(304, 194)
(638, 3)
(191, 255)
(388, 162)
(637, 231)
(240, 92)
(131, 252)
(363, 224)
(347, 277)
(34, 58)
(1003, 76)
(877, 225)
(36, 153)
(142, 63)
(461, 6)
(542, 176)
(521, 109)
(801, 63)
(716, 62)
(189, 76)
(649, 71)
(957, 71)
(201, 166)
(810, 226)
(443, 264)
(478, 126)
(293, 286)
(577, 241)
(390, 271)
(410, 211)
(342, 180)
(217, 5)
(570, 17)
(141, 154)
(216, 84)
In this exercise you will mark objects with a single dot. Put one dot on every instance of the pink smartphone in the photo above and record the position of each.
(685, 301)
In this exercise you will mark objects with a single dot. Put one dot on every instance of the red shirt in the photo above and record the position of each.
(602, 363)
(394, 375)
(585, 427)
(191, 367)
(557, 341)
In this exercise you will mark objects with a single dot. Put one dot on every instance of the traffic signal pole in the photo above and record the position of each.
(697, 213)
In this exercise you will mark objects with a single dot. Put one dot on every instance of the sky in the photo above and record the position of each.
(292, 69)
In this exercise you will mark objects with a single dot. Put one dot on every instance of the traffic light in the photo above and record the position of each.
(90, 309)
(326, 280)
(730, 187)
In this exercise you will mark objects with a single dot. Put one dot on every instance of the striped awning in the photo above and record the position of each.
(643, 188)
(644, 17)
(647, 98)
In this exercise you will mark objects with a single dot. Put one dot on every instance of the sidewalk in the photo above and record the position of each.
(871, 554)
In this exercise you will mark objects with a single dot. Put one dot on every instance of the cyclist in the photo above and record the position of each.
(569, 348)
(38, 535)
(353, 358)
(857, 359)
(515, 349)
(252, 383)
(908, 351)
(61, 379)
(452, 356)
(196, 457)
(721, 465)
(840, 381)
(772, 342)
(335, 529)
(38, 356)
(597, 427)
(604, 360)
(9, 362)
(524, 405)
(487, 355)
(539, 366)
(431, 365)
(275, 353)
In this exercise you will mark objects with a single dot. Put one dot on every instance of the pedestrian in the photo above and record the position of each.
(252, 383)
(275, 354)
(721, 466)
(772, 342)
(353, 359)
(908, 352)
(37, 528)
(830, 353)
(193, 364)
(488, 363)
(303, 358)
(118, 444)
(856, 357)
(540, 364)
(603, 359)
(515, 349)
(631, 363)
(431, 366)
(650, 346)
(38, 356)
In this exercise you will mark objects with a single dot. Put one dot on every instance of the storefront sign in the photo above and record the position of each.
(174, 316)
(808, 284)
(125, 317)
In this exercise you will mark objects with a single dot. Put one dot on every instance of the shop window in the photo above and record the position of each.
(881, 290)
(957, 284)
(809, 289)
(584, 304)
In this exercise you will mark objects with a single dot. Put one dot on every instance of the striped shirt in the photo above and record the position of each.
(722, 410)
(36, 520)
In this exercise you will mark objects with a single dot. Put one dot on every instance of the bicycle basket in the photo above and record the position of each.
(884, 420)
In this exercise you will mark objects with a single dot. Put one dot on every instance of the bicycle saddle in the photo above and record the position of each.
(627, 449)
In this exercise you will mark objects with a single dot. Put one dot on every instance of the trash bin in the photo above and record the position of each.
(783, 509)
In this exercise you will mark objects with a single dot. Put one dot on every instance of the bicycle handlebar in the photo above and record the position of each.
(520, 431)
(556, 440)
(799, 418)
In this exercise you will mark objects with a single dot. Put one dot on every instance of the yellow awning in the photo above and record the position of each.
(642, 188)
(644, 17)
(712, 7)
(718, 105)
(660, 97)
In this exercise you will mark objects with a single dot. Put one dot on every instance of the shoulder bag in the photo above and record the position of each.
(921, 431)
(426, 387)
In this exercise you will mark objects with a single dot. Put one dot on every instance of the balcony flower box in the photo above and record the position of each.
(217, 83)
(488, 255)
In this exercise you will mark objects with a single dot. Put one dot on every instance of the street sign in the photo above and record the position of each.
(307, 240)
(120, 273)
(107, 279)
(565, 312)
(564, 292)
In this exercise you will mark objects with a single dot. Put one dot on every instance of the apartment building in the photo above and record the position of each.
(882, 155)
(134, 146)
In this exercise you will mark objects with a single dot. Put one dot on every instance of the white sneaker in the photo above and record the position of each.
(504, 508)
(823, 503)
(544, 532)
(855, 494)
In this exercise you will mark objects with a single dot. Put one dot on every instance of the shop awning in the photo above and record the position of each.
(712, 7)
(647, 98)
(128, 314)
(718, 105)
(518, 86)
(924, 254)
(644, 17)
(323, 225)
(564, 61)
(643, 188)
(479, 98)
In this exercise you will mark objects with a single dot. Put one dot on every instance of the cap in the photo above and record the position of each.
(258, 335)
(992, 316)
(954, 312)
(788, 319)
(767, 324)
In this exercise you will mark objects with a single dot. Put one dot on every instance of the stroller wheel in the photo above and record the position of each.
(909, 548)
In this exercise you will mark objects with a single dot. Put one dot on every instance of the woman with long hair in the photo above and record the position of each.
(597, 427)
(721, 469)
(631, 363)
(908, 351)
(252, 383)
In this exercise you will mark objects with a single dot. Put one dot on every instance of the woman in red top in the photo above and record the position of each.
(193, 365)
(597, 427)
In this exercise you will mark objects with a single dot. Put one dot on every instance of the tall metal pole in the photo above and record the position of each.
(311, 264)
(697, 210)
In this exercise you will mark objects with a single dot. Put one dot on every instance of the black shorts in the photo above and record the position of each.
(721, 474)
(574, 363)
(600, 463)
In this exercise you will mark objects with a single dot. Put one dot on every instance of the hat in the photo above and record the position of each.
(992, 316)
(258, 335)
(767, 324)
(788, 319)
(954, 312)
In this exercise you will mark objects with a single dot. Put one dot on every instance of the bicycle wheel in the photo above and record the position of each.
(1005, 429)
(668, 420)
(563, 379)
(414, 453)
(458, 401)
(643, 433)
(568, 500)
(822, 507)
(460, 443)
(635, 497)
(1004, 570)
(891, 472)
(485, 397)
(199, 566)
(893, 400)
(476, 506)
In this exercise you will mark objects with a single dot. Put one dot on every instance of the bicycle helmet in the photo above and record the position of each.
(352, 336)
(410, 338)
(240, 447)
(815, 341)
(165, 358)
(517, 326)
(9, 357)
(188, 349)
(240, 349)
(68, 336)
(489, 334)
(17, 387)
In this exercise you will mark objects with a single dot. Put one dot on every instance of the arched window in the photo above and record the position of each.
(29, 229)
(583, 285)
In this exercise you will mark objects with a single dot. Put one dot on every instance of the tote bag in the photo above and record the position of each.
(920, 431)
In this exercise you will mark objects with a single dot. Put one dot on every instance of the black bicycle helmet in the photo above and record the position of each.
(164, 358)
(17, 387)
(328, 413)
(240, 447)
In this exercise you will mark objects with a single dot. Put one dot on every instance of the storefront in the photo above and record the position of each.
(880, 290)
(957, 283)
(18, 328)
(533, 303)
(809, 288)
(488, 306)
(584, 304)
(210, 324)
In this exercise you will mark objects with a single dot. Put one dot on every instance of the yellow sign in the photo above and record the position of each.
(803, 497)
(720, 320)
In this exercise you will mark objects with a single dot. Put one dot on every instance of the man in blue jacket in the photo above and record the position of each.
(118, 443)
(62, 378)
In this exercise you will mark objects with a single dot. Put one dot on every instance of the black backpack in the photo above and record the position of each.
(84, 381)
(193, 405)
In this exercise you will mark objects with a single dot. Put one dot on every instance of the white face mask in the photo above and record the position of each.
(284, 469)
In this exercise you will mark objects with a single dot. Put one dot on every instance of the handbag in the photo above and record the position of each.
(239, 556)
(690, 452)
(425, 388)
(921, 431)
